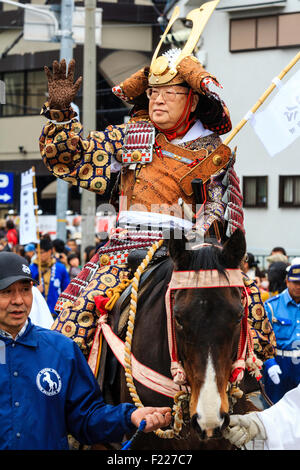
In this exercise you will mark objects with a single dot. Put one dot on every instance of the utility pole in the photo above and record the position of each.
(66, 52)
(88, 198)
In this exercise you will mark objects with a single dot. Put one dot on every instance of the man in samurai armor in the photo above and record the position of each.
(173, 170)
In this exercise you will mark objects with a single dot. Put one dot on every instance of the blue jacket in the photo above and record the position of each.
(284, 314)
(59, 281)
(48, 391)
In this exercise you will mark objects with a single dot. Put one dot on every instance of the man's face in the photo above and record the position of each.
(72, 245)
(165, 112)
(46, 256)
(294, 290)
(15, 306)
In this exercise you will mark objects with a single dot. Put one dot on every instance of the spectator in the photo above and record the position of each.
(60, 251)
(30, 252)
(283, 373)
(72, 245)
(58, 246)
(4, 246)
(11, 233)
(263, 285)
(74, 265)
(54, 274)
(249, 266)
(277, 277)
(277, 254)
(89, 253)
(2, 228)
(47, 387)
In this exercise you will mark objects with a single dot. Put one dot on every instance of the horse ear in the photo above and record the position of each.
(234, 250)
(177, 247)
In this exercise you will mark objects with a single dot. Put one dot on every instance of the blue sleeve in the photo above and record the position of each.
(89, 419)
(268, 311)
(34, 271)
(65, 281)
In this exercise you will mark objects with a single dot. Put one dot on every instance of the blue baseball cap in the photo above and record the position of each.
(29, 247)
(294, 273)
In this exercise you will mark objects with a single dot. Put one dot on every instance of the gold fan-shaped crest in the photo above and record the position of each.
(160, 72)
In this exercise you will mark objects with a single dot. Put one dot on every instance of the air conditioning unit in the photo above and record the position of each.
(239, 5)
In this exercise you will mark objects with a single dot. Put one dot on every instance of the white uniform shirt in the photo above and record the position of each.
(282, 422)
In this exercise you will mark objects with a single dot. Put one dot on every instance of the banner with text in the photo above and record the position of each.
(278, 126)
(28, 225)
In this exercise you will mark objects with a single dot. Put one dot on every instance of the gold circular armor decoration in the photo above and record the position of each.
(69, 329)
(136, 156)
(98, 184)
(85, 319)
(217, 160)
(109, 280)
(160, 65)
(104, 259)
(60, 169)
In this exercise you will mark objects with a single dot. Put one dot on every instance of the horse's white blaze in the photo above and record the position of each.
(209, 401)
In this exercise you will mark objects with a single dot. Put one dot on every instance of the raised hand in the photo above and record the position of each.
(61, 87)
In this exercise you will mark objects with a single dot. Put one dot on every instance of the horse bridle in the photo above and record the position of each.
(195, 280)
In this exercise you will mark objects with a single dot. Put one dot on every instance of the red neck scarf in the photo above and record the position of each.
(184, 119)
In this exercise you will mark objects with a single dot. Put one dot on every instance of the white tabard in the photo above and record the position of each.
(282, 422)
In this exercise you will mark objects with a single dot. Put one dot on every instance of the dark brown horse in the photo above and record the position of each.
(207, 324)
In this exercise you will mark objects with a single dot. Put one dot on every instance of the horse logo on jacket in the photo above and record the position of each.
(48, 381)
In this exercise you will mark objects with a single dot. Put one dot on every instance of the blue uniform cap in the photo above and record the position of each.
(294, 273)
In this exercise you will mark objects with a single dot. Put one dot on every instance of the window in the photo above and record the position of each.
(14, 86)
(255, 191)
(289, 191)
(25, 92)
(265, 32)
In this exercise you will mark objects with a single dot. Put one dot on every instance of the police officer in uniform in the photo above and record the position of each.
(283, 372)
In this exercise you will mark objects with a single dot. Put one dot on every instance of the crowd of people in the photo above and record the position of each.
(60, 262)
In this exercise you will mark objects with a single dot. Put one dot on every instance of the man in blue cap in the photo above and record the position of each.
(47, 388)
(30, 252)
(283, 373)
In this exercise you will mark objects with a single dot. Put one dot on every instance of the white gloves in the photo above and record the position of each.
(244, 428)
(274, 372)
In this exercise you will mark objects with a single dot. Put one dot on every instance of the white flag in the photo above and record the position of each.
(279, 124)
(28, 227)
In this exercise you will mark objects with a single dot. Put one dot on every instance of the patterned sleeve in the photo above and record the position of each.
(261, 329)
(79, 161)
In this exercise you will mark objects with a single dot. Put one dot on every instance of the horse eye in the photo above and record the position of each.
(177, 322)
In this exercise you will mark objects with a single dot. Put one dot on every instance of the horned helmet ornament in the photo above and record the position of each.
(164, 69)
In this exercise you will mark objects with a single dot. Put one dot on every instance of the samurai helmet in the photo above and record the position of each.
(164, 70)
(179, 66)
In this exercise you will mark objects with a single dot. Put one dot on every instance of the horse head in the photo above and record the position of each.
(207, 322)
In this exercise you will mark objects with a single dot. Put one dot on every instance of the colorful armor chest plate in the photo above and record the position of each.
(138, 142)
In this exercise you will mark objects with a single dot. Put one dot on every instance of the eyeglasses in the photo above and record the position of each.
(167, 95)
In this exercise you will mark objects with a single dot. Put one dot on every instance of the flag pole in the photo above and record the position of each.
(262, 99)
(37, 223)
